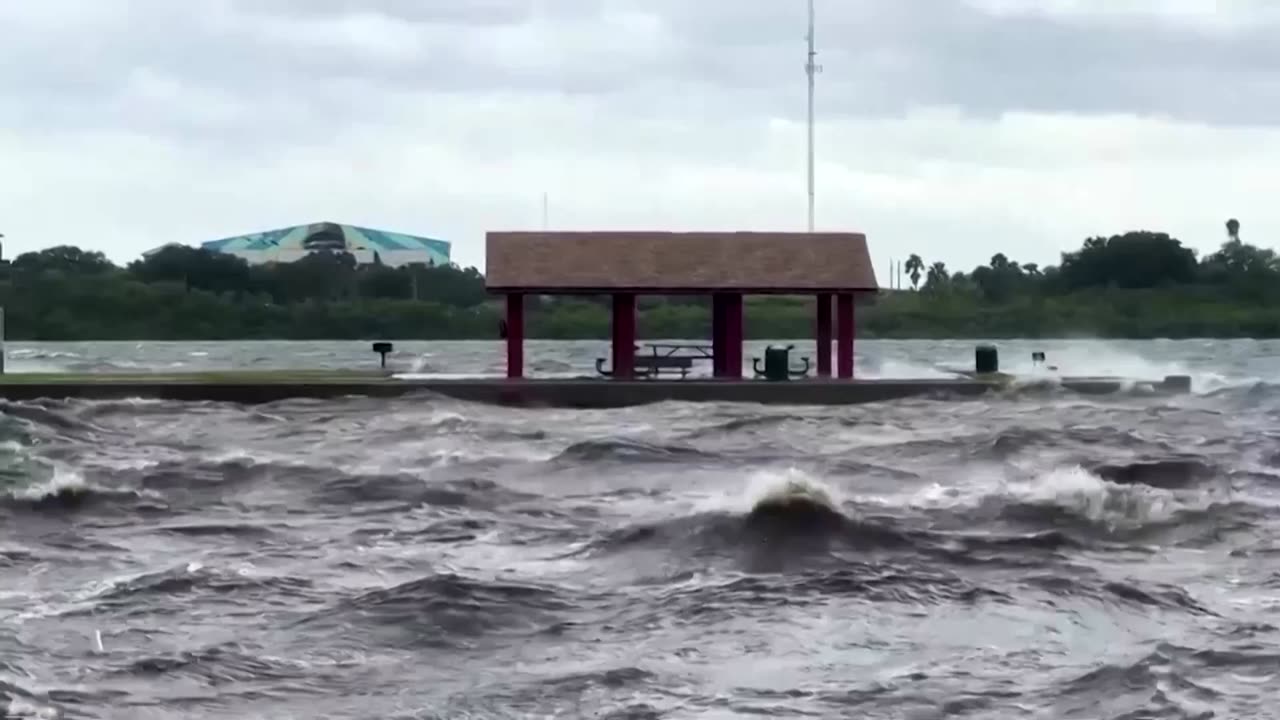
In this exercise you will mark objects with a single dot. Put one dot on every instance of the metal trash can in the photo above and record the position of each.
(777, 364)
(986, 360)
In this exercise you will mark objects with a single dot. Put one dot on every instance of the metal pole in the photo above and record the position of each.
(1, 341)
(811, 69)
(544, 212)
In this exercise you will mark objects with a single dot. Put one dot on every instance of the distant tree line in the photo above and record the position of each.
(1137, 284)
(1132, 261)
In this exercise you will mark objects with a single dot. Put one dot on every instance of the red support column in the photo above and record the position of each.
(844, 335)
(624, 335)
(823, 334)
(733, 328)
(853, 335)
(515, 335)
(719, 346)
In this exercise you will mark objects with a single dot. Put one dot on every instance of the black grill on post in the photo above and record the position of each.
(382, 348)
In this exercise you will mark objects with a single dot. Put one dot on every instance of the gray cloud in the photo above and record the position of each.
(224, 115)
(482, 13)
(884, 57)
(315, 66)
(301, 68)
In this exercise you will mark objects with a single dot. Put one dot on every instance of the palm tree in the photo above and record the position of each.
(1233, 229)
(937, 277)
(914, 265)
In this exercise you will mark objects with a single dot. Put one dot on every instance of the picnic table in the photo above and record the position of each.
(660, 357)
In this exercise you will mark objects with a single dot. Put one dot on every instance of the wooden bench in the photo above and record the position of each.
(653, 365)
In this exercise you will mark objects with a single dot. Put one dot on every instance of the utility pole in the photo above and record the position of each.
(811, 69)
(544, 211)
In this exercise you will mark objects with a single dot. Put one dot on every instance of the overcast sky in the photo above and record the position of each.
(950, 128)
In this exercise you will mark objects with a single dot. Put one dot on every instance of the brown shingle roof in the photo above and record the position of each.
(678, 261)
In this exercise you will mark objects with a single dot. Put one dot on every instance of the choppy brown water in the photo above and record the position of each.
(1034, 556)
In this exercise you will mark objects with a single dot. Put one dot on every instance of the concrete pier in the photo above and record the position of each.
(260, 387)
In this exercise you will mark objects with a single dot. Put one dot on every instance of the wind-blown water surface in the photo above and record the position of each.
(1032, 556)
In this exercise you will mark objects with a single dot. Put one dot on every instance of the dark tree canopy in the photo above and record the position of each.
(65, 259)
(1133, 260)
(1136, 284)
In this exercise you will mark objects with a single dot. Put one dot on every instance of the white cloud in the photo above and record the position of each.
(956, 133)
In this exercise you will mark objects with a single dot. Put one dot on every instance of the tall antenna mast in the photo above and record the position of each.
(811, 69)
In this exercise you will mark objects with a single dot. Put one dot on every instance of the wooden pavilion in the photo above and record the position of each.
(725, 265)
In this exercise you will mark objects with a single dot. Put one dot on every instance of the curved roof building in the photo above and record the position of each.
(365, 244)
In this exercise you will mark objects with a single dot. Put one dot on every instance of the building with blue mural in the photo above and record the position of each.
(367, 245)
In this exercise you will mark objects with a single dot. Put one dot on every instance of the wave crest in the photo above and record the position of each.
(447, 610)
